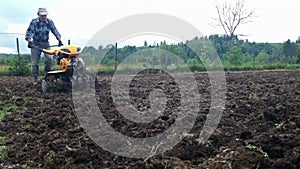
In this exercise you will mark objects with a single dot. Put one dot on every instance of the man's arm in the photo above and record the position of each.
(54, 30)
(30, 32)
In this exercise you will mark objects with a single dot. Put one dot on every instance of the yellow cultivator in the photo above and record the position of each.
(72, 69)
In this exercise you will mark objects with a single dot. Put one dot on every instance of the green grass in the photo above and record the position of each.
(2, 138)
(4, 152)
(4, 111)
(50, 157)
(27, 101)
(265, 67)
(259, 149)
(27, 126)
(4, 70)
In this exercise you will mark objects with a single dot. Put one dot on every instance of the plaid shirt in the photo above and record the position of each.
(40, 33)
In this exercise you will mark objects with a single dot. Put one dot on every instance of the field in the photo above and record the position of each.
(260, 126)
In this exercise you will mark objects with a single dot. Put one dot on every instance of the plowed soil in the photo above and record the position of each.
(260, 126)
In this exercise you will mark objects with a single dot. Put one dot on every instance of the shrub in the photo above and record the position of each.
(19, 67)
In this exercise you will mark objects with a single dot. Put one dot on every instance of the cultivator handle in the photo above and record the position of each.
(51, 51)
(48, 51)
(71, 50)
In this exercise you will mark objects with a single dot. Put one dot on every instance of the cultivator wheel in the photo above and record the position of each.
(79, 82)
(80, 69)
(62, 81)
(55, 80)
(85, 80)
(93, 80)
(44, 86)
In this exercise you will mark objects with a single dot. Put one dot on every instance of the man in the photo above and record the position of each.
(37, 35)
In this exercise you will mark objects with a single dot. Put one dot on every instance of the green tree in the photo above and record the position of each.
(289, 50)
(237, 56)
(19, 66)
(263, 57)
(145, 43)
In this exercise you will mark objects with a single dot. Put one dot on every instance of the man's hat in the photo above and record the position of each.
(42, 11)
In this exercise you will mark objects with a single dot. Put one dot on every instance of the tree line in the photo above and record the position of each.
(244, 55)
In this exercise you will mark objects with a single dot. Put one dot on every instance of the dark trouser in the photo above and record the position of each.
(35, 58)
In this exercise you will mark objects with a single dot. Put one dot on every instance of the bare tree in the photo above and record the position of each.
(230, 16)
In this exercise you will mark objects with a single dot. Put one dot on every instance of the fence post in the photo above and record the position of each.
(18, 47)
(116, 57)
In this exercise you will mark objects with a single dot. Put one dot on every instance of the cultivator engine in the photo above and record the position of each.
(72, 69)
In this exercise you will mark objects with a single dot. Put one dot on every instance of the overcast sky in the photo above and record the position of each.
(78, 20)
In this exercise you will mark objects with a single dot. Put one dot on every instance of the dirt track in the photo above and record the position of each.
(260, 127)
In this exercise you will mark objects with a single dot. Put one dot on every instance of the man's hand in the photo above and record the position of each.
(30, 44)
(60, 43)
